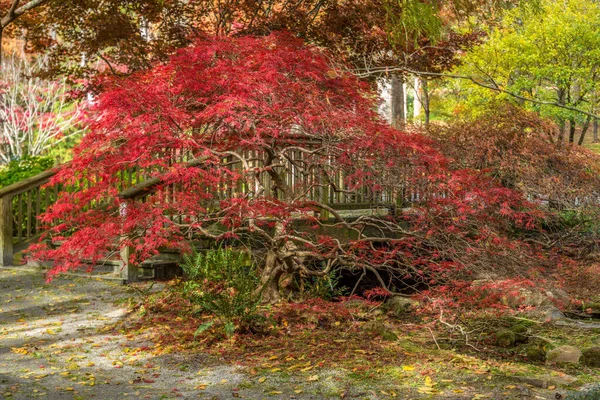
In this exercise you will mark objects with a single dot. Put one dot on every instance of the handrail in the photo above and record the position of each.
(144, 187)
(26, 184)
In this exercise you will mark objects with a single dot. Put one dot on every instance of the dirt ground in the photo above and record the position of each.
(57, 341)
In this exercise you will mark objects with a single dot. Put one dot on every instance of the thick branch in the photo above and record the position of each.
(493, 86)
(15, 11)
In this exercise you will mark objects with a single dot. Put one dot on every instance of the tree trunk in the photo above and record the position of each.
(584, 130)
(1, 48)
(418, 100)
(562, 126)
(572, 127)
(595, 130)
(425, 101)
(562, 130)
(398, 103)
(269, 279)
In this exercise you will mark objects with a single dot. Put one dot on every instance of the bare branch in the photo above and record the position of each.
(15, 11)
(491, 86)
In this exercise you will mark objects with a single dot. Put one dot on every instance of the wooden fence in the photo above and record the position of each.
(22, 203)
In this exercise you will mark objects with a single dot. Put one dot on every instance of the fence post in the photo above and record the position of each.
(6, 231)
(128, 271)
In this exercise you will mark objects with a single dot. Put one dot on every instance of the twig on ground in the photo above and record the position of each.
(434, 340)
(458, 328)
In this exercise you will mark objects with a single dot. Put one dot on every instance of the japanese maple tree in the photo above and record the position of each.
(254, 140)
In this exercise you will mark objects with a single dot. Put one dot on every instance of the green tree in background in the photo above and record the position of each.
(547, 61)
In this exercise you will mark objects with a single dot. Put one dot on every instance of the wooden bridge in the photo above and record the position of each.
(22, 203)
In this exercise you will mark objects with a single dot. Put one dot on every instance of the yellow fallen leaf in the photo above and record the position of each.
(223, 380)
(274, 392)
(262, 380)
(295, 366)
(307, 368)
(276, 370)
(340, 340)
(426, 390)
(313, 378)
(50, 332)
(408, 368)
(19, 350)
(70, 389)
(273, 358)
(428, 381)
(298, 391)
(201, 386)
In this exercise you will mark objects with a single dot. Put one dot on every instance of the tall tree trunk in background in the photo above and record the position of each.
(572, 127)
(584, 130)
(426, 101)
(562, 130)
(562, 125)
(595, 131)
(1, 49)
(398, 101)
(418, 100)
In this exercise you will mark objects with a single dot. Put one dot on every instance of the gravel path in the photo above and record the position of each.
(55, 344)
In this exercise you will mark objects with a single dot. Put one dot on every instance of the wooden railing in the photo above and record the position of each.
(20, 206)
(23, 202)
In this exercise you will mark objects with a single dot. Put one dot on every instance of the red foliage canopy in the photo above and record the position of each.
(253, 139)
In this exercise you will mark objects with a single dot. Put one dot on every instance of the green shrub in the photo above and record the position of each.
(325, 287)
(222, 282)
(24, 168)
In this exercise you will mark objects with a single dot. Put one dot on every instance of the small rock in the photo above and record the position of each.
(399, 306)
(591, 357)
(375, 326)
(546, 312)
(563, 354)
(355, 303)
(545, 381)
(559, 294)
(520, 331)
(378, 328)
(527, 298)
(535, 353)
(505, 338)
